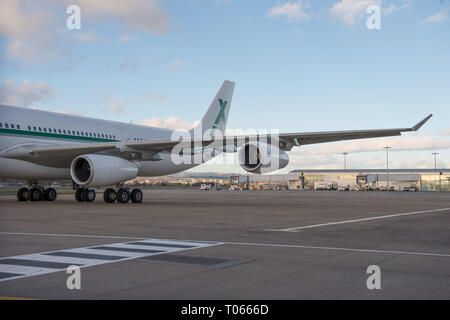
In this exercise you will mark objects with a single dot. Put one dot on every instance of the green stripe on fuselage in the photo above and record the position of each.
(53, 135)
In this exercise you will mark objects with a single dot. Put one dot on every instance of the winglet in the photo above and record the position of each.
(421, 123)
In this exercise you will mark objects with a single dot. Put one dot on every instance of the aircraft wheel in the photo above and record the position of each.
(50, 194)
(109, 196)
(88, 195)
(78, 194)
(35, 194)
(23, 194)
(122, 196)
(136, 196)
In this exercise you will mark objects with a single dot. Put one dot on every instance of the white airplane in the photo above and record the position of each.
(41, 145)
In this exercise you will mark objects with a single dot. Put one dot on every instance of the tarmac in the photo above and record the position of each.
(191, 244)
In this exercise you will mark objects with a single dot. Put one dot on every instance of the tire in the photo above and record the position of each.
(88, 195)
(35, 194)
(78, 194)
(109, 196)
(23, 194)
(123, 196)
(50, 194)
(136, 196)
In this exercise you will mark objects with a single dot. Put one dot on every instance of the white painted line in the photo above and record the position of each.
(412, 253)
(42, 263)
(68, 235)
(295, 229)
(70, 260)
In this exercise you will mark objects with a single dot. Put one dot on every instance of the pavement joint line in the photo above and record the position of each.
(217, 243)
(296, 229)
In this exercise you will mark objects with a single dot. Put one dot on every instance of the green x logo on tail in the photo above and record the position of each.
(221, 114)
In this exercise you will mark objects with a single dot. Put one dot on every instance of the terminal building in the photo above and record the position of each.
(350, 179)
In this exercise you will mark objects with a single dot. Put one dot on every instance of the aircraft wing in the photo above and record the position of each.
(299, 139)
(61, 156)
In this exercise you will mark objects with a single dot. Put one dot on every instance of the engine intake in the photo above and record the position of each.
(99, 170)
(259, 157)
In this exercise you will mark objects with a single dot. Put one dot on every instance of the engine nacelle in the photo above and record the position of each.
(259, 157)
(98, 170)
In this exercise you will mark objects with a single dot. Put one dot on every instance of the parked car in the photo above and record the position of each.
(413, 189)
(405, 189)
(391, 188)
(205, 186)
(382, 188)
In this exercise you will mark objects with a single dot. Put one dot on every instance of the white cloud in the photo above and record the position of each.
(145, 15)
(438, 17)
(394, 8)
(173, 123)
(176, 65)
(34, 33)
(292, 11)
(351, 11)
(125, 38)
(86, 37)
(116, 105)
(25, 25)
(397, 143)
(24, 94)
(128, 65)
(444, 132)
(65, 112)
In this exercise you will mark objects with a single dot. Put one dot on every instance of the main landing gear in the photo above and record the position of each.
(122, 195)
(85, 195)
(36, 193)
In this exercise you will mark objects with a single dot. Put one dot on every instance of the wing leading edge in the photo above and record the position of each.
(64, 154)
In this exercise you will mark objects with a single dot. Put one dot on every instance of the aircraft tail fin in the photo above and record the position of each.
(216, 116)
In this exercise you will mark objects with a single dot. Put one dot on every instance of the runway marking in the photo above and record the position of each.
(213, 243)
(411, 253)
(296, 229)
(54, 261)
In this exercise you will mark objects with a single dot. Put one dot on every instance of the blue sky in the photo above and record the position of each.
(298, 65)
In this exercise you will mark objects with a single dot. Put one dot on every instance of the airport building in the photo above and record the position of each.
(350, 179)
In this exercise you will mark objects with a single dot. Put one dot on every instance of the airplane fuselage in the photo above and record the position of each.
(24, 127)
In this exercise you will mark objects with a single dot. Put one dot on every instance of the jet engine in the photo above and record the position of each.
(259, 157)
(99, 170)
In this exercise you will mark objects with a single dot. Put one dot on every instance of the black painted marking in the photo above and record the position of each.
(175, 258)
(126, 249)
(6, 275)
(37, 263)
(157, 244)
(84, 255)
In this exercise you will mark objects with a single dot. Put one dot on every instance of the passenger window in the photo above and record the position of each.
(45, 129)
(12, 126)
(40, 129)
(64, 131)
(78, 133)
(17, 126)
(29, 127)
(1, 125)
(34, 128)
(59, 130)
(6, 125)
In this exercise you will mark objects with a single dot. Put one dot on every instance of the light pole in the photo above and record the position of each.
(387, 165)
(345, 160)
(435, 154)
